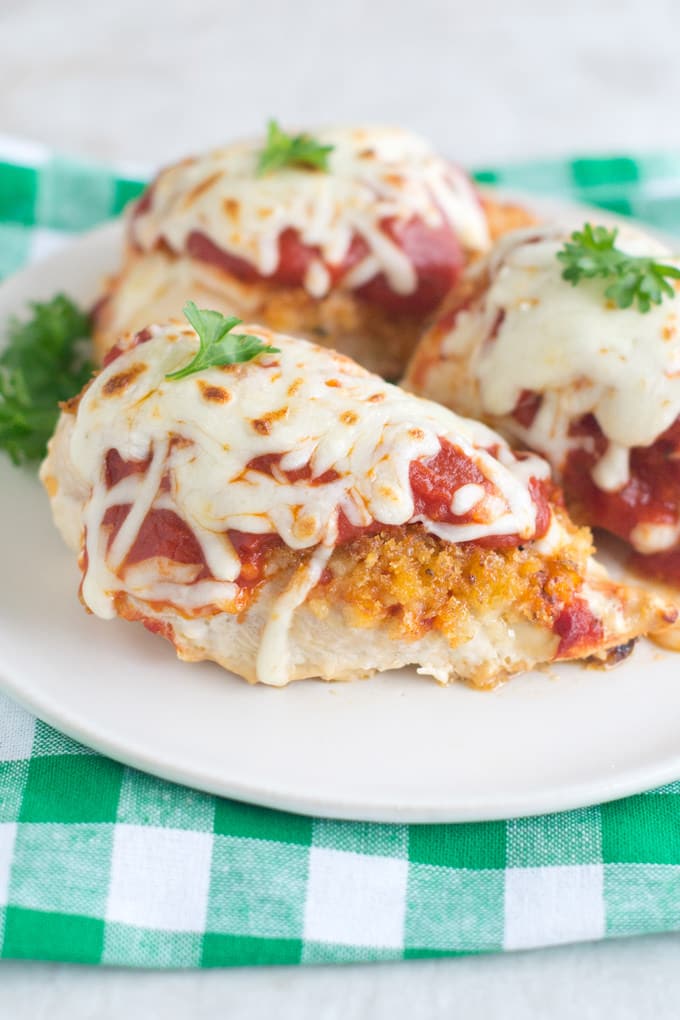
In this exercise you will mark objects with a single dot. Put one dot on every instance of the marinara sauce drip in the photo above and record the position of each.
(162, 533)
(435, 253)
(434, 482)
(252, 550)
(577, 628)
(649, 496)
(437, 258)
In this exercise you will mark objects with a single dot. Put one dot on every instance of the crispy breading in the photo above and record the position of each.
(414, 582)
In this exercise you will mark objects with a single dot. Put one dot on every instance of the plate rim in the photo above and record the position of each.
(584, 795)
(634, 780)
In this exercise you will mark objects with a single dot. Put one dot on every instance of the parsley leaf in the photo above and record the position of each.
(43, 363)
(592, 252)
(218, 345)
(292, 150)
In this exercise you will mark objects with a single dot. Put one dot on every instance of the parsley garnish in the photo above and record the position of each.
(292, 150)
(218, 345)
(591, 252)
(43, 363)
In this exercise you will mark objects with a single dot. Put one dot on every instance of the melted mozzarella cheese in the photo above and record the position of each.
(535, 331)
(374, 174)
(305, 406)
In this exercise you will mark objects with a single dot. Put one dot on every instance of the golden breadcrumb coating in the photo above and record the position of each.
(414, 582)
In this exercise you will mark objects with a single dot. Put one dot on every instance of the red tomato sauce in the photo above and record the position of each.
(651, 495)
(267, 461)
(577, 628)
(114, 352)
(115, 468)
(527, 407)
(435, 253)
(253, 551)
(435, 482)
(164, 534)
(663, 566)
(437, 258)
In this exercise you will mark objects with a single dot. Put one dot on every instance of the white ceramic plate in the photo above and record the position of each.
(394, 748)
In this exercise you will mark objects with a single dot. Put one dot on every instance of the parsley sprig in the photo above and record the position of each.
(43, 363)
(292, 150)
(218, 345)
(592, 252)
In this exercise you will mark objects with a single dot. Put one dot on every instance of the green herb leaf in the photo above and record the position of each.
(45, 361)
(592, 252)
(292, 150)
(218, 345)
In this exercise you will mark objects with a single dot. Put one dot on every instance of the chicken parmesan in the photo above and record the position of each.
(353, 250)
(565, 371)
(291, 515)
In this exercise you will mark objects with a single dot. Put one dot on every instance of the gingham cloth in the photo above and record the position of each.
(103, 864)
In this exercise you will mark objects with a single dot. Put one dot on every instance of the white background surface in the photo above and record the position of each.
(488, 80)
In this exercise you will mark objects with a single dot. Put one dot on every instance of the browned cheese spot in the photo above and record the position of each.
(264, 425)
(117, 384)
(231, 208)
(214, 394)
(200, 188)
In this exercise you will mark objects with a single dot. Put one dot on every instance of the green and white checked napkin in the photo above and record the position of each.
(103, 864)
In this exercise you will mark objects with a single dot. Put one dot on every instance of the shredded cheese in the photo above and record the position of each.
(374, 174)
(534, 331)
(307, 407)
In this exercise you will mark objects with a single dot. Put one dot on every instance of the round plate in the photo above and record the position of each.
(391, 749)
